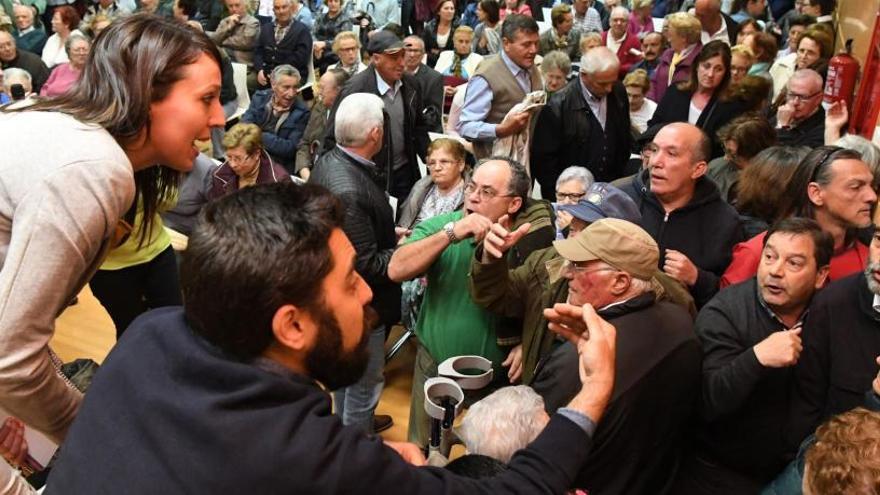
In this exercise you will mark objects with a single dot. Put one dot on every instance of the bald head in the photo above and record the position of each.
(809, 77)
(693, 138)
(709, 14)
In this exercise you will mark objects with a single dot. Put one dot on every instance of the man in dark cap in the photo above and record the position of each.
(406, 132)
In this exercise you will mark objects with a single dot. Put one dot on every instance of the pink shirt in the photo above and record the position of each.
(60, 80)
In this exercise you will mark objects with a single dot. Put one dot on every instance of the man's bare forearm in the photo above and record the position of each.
(413, 259)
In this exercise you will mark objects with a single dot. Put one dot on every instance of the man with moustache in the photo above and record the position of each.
(841, 342)
(223, 395)
(751, 339)
(652, 47)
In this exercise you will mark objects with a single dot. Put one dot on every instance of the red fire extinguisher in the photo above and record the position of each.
(843, 71)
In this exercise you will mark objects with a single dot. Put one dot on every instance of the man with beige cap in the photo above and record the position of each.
(612, 265)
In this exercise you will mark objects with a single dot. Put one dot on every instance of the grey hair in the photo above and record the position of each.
(599, 59)
(416, 39)
(356, 116)
(619, 8)
(558, 60)
(286, 70)
(503, 422)
(806, 74)
(73, 38)
(18, 75)
(580, 174)
(869, 151)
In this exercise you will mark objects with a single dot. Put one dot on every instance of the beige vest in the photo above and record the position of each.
(506, 93)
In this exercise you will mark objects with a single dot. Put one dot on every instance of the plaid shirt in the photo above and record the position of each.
(589, 22)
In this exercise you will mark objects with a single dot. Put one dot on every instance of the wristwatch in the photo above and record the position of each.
(449, 228)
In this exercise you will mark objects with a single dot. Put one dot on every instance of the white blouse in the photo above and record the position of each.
(54, 52)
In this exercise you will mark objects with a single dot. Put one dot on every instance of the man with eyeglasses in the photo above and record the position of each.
(612, 265)
(449, 322)
(430, 81)
(801, 120)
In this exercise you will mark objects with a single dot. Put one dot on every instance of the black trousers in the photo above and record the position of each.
(128, 292)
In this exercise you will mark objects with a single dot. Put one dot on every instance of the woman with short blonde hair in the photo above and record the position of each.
(247, 164)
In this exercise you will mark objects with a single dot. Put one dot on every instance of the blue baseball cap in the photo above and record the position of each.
(603, 200)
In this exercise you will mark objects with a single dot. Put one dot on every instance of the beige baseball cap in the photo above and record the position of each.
(621, 244)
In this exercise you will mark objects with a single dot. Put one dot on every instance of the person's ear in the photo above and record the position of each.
(621, 283)
(699, 169)
(293, 328)
(815, 195)
(822, 276)
(514, 205)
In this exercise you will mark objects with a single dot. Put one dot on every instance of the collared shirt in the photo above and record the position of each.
(356, 157)
(876, 304)
(281, 31)
(774, 316)
(721, 34)
(599, 106)
(612, 43)
(590, 22)
(478, 103)
(383, 87)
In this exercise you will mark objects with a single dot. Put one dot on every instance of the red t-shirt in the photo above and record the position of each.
(747, 255)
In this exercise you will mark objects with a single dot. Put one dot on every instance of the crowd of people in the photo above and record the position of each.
(641, 213)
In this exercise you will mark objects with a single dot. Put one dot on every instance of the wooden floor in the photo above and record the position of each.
(85, 330)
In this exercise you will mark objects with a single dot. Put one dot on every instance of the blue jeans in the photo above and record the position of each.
(356, 403)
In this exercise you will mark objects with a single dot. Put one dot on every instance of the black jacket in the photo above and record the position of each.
(414, 127)
(432, 47)
(170, 413)
(810, 132)
(295, 49)
(705, 230)
(841, 341)
(369, 224)
(637, 446)
(567, 134)
(745, 405)
(430, 84)
(676, 103)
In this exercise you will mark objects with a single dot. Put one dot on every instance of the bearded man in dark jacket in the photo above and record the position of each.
(684, 212)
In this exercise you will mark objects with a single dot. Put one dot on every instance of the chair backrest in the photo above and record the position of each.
(239, 77)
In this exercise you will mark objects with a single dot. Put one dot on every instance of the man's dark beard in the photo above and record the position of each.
(327, 362)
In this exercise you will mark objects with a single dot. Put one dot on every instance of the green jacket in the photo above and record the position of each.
(525, 292)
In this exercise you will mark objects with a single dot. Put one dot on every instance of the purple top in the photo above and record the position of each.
(60, 80)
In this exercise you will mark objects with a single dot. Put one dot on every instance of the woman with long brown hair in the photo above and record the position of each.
(74, 170)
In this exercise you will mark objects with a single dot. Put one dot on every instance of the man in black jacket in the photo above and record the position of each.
(841, 347)
(751, 338)
(801, 120)
(585, 124)
(406, 133)
(683, 210)
(282, 41)
(348, 171)
(222, 396)
(429, 80)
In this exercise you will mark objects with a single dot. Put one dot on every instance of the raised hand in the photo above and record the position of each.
(499, 238)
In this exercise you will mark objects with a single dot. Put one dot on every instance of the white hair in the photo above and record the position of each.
(869, 151)
(619, 9)
(580, 174)
(599, 59)
(807, 75)
(14, 75)
(285, 70)
(356, 116)
(503, 422)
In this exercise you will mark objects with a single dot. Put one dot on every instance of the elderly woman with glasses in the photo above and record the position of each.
(247, 163)
(571, 186)
(439, 192)
(65, 74)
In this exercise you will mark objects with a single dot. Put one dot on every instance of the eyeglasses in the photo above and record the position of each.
(238, 159)
(440, 163)
(574, 197)
(559, 268)
(801, 98)
(484, 192)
